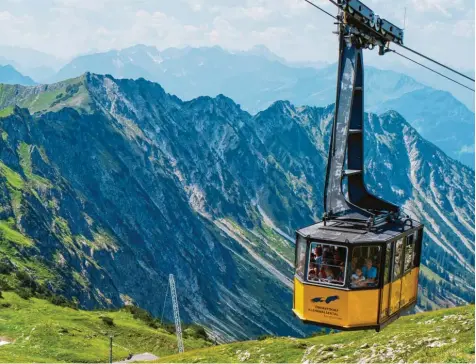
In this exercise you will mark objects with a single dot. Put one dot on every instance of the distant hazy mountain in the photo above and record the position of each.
(439, 117)
(257, 78)
(107, 186)
(439, 83)
(38, 65)
(10, 75)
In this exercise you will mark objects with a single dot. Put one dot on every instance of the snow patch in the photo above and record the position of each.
(156, 59)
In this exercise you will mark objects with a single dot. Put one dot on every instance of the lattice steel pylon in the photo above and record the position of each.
(178, 326)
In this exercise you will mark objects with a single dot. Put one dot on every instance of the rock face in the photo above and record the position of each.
(113, 184)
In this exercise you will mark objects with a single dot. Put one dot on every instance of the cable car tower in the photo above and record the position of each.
(358, 267)
(178, 325)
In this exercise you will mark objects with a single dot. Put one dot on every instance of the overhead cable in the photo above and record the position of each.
(428, 68)
(321, 9)
(434, 61)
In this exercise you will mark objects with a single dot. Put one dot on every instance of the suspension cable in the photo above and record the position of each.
(163, 307)
(321, 9)
(428, 68)
(434, 61)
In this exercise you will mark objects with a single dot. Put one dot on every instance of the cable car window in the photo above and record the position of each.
(397, 259)
(300, 256)
(365, 266)
(409, 249)
(327, 264)
(388, 259)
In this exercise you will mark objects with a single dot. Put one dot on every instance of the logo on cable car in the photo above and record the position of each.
(327, 300)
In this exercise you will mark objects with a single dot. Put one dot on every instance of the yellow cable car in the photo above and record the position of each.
(350, 278)
(358, 268)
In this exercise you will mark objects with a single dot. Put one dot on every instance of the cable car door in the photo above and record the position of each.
(385, 294)
(396, 285)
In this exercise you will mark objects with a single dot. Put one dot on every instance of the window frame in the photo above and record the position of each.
(387, 265)
(296, 257)
(412, 265)
(326, 284)
(402, 259)
(418, 247)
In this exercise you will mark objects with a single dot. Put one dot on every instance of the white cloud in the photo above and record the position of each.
(255, 12)
(94, 5)
(464, 28)
(466, 149)
(292, 28)
(444, 7)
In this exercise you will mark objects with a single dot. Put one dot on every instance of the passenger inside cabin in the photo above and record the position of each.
(326, 255)
(358, 278)
(340, 275)
(313, 257)
(312, 274)
(329, 274)
(318, 254)
(355, 263)
(337, 259)
(370, 272)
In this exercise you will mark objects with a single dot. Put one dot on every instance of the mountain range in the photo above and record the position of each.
(108, 185)
(257, 78)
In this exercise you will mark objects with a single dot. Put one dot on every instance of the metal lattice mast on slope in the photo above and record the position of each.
(178, 326)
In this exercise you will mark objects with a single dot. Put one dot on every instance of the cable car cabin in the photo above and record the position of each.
(350, 277)
(358, 268)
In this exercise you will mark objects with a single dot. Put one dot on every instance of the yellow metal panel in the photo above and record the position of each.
(363, 307)
(298, 297)
(321, 304)
(415, 284)
(395, 292)
(385, 299)
(335, 307)
(409, 287)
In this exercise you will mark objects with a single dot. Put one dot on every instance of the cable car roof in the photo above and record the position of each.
(342, 231)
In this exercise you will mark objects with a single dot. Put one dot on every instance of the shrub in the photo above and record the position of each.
(170, 328)
(319, 333)
(24, 293)
(107, 320)
(26, 280)
(5, 267)
(143, 315)
(264, 337)
(4, 285)
(59, 300)
(198, 332)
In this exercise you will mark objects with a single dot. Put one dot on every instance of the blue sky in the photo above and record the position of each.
(291, 28)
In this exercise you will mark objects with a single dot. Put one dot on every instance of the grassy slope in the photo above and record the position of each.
(42, 332)
(438, 336)
(41, 98)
